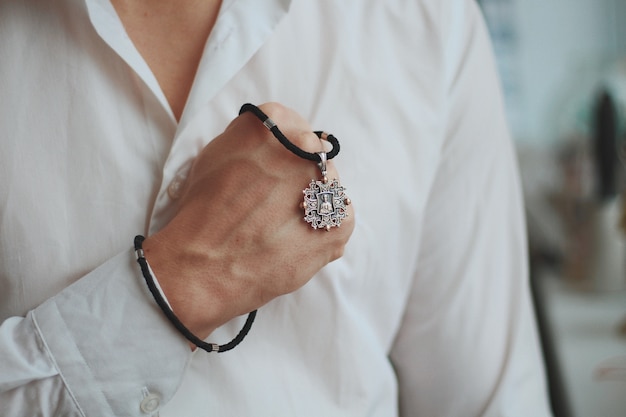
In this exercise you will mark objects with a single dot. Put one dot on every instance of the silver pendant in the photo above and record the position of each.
(325, 202)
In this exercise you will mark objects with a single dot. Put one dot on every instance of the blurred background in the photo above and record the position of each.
(563, 71)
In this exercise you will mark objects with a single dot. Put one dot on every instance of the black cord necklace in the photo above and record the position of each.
(325, 202)
(269, 123)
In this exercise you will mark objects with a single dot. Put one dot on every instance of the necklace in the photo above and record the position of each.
(325, 202)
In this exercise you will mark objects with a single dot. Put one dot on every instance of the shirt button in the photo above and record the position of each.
(150, 403)
(175, 188)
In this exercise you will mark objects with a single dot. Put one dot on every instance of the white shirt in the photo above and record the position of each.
(427, 313)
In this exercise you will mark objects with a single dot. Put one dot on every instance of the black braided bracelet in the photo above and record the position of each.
(209, 347)
(269, 123)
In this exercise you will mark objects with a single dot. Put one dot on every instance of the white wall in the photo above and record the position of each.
(561, 47)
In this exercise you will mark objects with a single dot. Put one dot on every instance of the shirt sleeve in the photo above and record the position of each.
(100, 347)
(468, 344)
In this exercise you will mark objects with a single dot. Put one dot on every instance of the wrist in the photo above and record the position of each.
(194, 338)
(176, 277)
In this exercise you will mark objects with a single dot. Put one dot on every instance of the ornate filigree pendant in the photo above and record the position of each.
(325, 202)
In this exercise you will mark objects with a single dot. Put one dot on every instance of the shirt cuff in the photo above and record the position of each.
(110, 341)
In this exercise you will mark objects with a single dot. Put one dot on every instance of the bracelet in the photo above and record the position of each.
(209, 347)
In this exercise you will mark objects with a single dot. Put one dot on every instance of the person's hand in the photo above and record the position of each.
(239, 239)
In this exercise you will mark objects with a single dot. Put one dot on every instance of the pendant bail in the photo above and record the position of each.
(322, 165)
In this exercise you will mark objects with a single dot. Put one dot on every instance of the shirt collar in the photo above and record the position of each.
(240, 30)
(110, 28)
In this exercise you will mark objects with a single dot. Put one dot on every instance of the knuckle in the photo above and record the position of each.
(274, 110)
(306, 140)
(292, 125)
(338, 252)
(337, 248)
